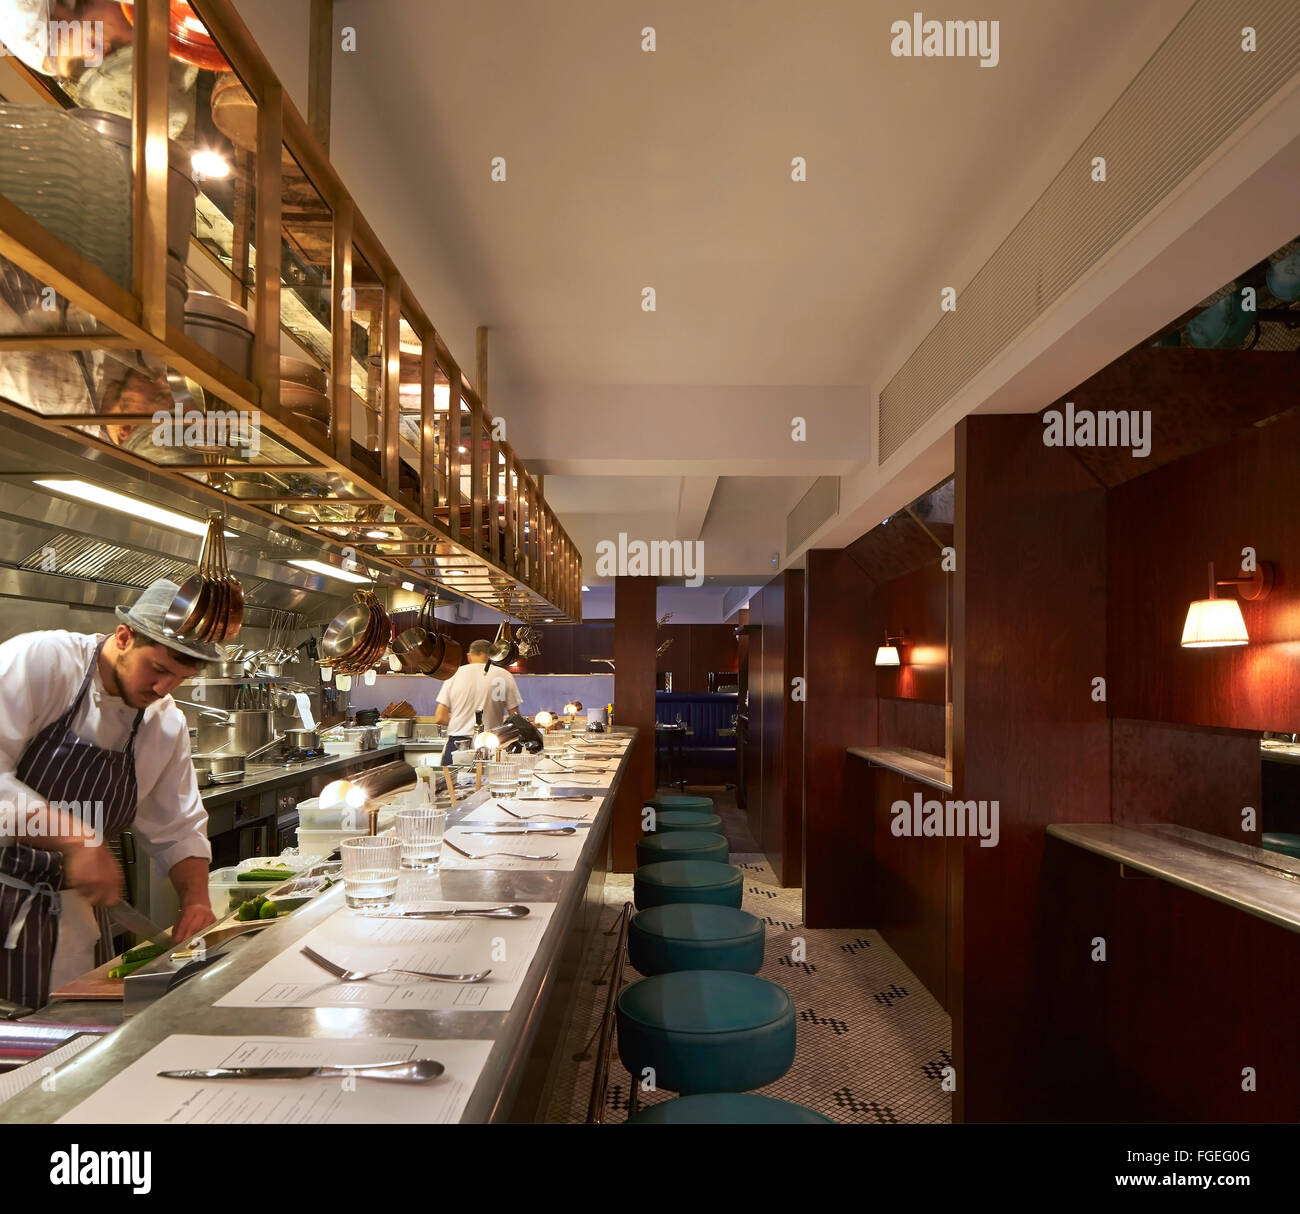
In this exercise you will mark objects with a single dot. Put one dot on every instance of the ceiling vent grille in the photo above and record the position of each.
(69, 554)
(820, 503)
(1197, 89)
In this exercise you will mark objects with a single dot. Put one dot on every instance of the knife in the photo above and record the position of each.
(416, 1070)
(514, 911)
(125, 915)
(520, 830)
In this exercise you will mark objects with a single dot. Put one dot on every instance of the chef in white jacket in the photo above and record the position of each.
(91, 744)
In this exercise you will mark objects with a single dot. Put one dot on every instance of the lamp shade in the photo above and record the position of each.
(887, 655)
(1212, 622)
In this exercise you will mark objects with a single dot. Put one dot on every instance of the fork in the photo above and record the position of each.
(484, 855)
(347, 975)
(530, 817)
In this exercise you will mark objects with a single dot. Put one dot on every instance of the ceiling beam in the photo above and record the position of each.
(693, 502)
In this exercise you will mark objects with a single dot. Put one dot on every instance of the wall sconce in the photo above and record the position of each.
(1215, 622)
(887, 654)
(369, 678)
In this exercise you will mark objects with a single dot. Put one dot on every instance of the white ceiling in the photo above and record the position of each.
(671, 170)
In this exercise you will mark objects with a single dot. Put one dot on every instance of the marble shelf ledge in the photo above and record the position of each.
(916, 764)
(1262, 883)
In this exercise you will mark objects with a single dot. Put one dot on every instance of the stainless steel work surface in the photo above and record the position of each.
(189, 1008)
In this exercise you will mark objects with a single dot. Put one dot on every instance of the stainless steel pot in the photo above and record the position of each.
(305, 739)
(222, 768)
(244, 731)
(403, 727)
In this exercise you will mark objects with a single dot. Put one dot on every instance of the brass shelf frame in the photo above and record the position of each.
(514, 555)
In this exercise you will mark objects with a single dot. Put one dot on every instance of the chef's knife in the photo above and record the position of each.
(417, 1070)
(125, 915)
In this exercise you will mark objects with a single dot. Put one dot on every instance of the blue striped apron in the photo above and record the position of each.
(58, 766)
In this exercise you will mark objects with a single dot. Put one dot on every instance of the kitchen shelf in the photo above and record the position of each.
(403, 443)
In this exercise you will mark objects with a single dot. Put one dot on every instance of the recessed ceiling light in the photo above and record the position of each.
(207, 163)
(377, 535)
(550, 619)
(329, 571)
(97, 495)
(461, 450)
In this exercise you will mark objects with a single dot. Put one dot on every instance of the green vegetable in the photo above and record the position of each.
(121, 971)
(268, 911)
(265, 874)
(246, 912)
(282, 906)
(259, 901)
(144, 952)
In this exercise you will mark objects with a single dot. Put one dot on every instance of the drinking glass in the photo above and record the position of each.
(420, 832)
(370, 868)
(502, 778)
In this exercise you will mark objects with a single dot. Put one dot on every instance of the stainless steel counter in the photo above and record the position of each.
(915, 764)
(263, 777)
(190, 1008)
(1261, 883)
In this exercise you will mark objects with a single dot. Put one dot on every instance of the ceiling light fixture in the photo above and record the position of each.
(329, 571)
(377, 535)
(97, 495)
(209, 164)
(408, 585)
(1214, 622)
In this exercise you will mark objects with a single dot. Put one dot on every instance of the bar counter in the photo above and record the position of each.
(516, 1069)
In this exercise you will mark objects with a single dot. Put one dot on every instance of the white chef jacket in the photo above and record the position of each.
(40, 673)
(472, 687)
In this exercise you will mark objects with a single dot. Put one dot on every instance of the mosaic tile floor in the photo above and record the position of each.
(871, 1040)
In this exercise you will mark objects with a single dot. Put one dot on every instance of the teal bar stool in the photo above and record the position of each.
(727, 1108)
(705, 1031)
(666, 820)
(1288, 845)
(681, 801)
(669, 881)
(695, 936)
(682, 845)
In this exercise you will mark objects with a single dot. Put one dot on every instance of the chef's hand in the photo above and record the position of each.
(93, 873)
(192, 920)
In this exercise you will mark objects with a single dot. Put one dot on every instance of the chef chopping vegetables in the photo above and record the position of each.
(91, 744)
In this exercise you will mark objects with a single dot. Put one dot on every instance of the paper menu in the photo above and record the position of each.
(448, 946)
(136, 1095)
(489, 813)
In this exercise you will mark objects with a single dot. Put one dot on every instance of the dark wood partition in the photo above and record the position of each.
(634, 704)
(1029, 636)
(840, 713)
(775, 752)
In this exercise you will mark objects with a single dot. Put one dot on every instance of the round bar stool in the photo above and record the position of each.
(705, 1031)
(727, 1108)
(669, 881)
(1287, 845)
(682, 845)
(684, 819)
(695, 936)
(682, 801)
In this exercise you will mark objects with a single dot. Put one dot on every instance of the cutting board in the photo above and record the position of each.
(93, 985)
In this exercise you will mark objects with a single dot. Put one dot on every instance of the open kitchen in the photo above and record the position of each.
(548, 594)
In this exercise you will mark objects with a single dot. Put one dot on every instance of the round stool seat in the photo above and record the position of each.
(695, 936)
(671, 881)
(706, 1031)
(681, 845)
(727, 1108)
(666, 820)
(1288, 845)
(681, 801)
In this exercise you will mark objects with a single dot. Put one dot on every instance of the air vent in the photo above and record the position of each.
(1193, 93)
(69, 554)
(820, 503)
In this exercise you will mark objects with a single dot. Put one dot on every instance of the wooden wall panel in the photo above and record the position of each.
(1029, 635)
(911, 723)
(1191, 992)
(697, 649)
(634, 704)
(915, 605)
(781, 822)
(840, 712)
(908, 886)
(1198, 778)
(1164, 528)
